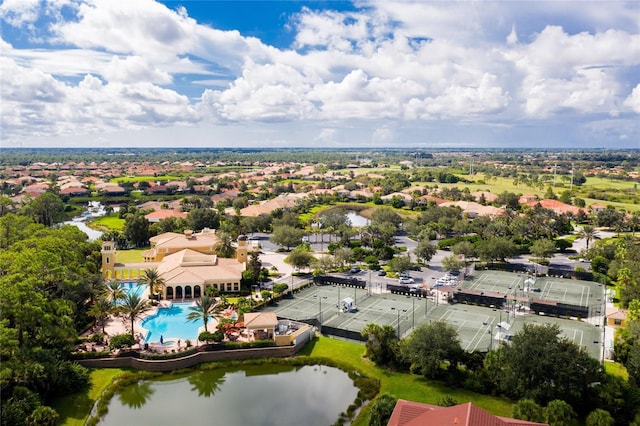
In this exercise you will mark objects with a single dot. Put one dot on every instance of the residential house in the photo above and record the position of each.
(408, 413)
(158, 215)
(616, 317)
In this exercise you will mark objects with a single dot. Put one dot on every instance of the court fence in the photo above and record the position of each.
(346, 282)
(541, 270)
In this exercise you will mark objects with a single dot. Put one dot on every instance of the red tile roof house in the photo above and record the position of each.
(158, 215)
(555, 205)
(408, 413)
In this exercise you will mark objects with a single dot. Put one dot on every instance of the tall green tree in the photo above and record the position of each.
(543, 248)
(541, 365)
(200, 218)
(599, 417)
(425, 250)
(114, 292)
(286, 236)
(559, 413)
(527, 409)
(382, 409)
(47, 209)
(136, 229)
(133, 306)
(205, 308)
(101, 310)
(152, 278)
(429, 347)
(382, 344)
(299, 258)
(588, 233)
(224, 245)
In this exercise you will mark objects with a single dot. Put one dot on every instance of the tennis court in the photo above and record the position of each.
(573, 292)
(580, 332)
(477, 327)
(324, 304)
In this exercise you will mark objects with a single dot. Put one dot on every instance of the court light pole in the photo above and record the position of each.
(413, 311)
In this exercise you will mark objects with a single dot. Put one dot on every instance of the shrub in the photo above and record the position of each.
(205, 336)
(97, 338)
(280, 288)
(120, 341)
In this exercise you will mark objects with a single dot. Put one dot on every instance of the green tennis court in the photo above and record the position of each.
(477, 326)
(573, 292)
(582, 333)
(325, 303)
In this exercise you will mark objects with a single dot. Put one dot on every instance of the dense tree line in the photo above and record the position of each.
(48, 278)
(553, 379)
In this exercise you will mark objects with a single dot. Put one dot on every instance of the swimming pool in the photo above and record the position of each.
(133, 287)
(171, 323)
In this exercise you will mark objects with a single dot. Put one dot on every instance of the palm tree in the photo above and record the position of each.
(133, 306)
(224, 246)
(589, 233)
(205, 308)
(153, 279)
(100, 310)
(114, 292)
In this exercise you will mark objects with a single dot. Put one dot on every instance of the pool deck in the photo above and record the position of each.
(117, 325)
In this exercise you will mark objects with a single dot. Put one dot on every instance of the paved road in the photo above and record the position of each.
(428, 275)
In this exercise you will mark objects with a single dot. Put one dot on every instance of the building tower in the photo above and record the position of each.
(242, 250)
(108, 259)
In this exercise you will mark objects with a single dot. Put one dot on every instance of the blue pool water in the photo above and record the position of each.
(171, 323)
(133, 286)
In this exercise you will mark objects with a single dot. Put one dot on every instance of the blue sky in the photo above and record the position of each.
(379, 73)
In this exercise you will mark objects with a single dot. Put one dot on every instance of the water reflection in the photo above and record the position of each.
(207, 383)
(136, 395)
(308, 395)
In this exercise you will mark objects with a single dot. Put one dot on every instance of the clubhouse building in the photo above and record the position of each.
(186, 262)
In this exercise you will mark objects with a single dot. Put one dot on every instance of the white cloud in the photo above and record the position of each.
(633, 100)
(132, 69)
(17, 13)
(132, 65)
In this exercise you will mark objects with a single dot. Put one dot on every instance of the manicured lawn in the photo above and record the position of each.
(130, 256)
(616, 369)
(110, 222)
(401, 385)
(74, 409)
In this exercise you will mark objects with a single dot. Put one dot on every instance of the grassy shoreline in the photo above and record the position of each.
(342, 354)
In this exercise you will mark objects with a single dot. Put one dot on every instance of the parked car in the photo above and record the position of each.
(406, 280)
(305, 239)
(382, 273)
(355, 269)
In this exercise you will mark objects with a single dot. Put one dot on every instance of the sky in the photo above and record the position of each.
(276, 74)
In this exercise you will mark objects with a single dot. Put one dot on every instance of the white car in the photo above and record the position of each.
(406, 280)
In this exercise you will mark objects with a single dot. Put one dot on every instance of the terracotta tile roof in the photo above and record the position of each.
(555, 205)
(159, 215)
(408, 413)
(617, 313)
(172, 241)
(258, 320)
(474, 209)
(192, 267)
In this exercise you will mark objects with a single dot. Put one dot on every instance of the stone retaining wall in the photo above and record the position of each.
(192, 360)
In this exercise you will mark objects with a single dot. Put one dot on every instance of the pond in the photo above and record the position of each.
(357, 221)
(255, 395)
